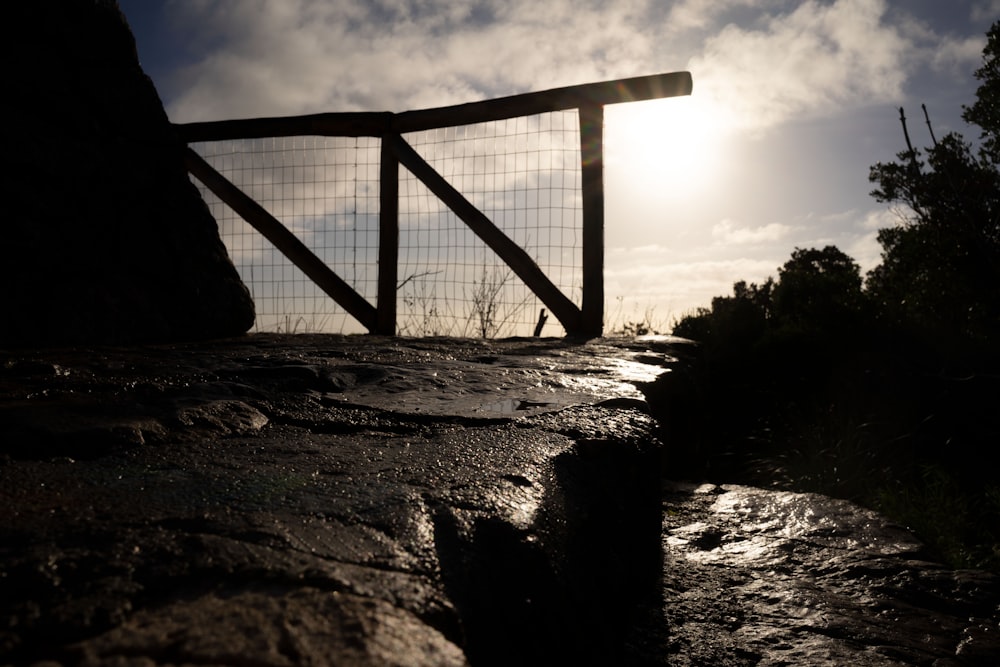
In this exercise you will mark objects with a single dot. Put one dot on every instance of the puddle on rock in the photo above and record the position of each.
(517, 406)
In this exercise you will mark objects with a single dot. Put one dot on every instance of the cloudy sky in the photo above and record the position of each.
(793, 102)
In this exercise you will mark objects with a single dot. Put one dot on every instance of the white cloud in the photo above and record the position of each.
(694, 14)
(986, 11)
(958, 55)
(668, 284)
(879, 219)
(816, 60)
(856, 234)
(863, 245)
(300, 56)
(730, 232)
(784, 59)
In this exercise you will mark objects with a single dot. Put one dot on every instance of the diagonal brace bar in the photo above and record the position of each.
(283, 240)
(511, 253)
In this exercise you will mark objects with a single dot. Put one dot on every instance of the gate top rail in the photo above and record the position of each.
(382, 123)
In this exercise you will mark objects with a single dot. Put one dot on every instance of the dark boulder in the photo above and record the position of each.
(104, 237)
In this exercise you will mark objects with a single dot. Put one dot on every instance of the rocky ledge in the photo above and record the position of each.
(756, 577)
(271, 500)
(275, 500)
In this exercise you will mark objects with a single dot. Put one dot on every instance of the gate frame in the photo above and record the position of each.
(589, 101)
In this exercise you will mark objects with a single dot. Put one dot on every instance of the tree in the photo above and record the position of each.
(941, 266)
(818, 291)
(733, 321)
(985, 111)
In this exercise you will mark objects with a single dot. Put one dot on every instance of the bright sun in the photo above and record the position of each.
(668, 143)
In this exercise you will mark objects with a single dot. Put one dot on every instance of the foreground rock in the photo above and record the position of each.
(326, 500)
(105, 238)
(359, 500)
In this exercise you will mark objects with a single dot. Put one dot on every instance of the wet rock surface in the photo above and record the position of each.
(276, 500)
(324, 500)
(760, 577)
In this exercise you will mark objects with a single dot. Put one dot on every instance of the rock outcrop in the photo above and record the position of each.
(313, 500)
(105, 238)
(325, 500)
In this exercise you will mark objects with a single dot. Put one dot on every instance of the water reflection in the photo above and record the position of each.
(784, 578)
(754, 527)
(513, 406)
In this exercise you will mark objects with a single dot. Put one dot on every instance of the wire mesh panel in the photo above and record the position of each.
(325, 190)
(524, 174)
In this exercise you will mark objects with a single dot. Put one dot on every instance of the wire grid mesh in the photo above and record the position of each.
(325, 190)
(523, 173)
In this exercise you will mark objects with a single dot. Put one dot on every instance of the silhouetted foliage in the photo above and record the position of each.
(819, 291)
(985, 111)
(882, 390)
(732, 320)
(941, 265)
(818, 294)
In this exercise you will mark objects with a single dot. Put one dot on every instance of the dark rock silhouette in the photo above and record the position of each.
(105, 239)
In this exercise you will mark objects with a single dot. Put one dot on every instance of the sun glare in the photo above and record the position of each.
(668, 143)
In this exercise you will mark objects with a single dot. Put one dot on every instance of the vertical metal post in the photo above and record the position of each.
(388, 239)
(592, 177)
